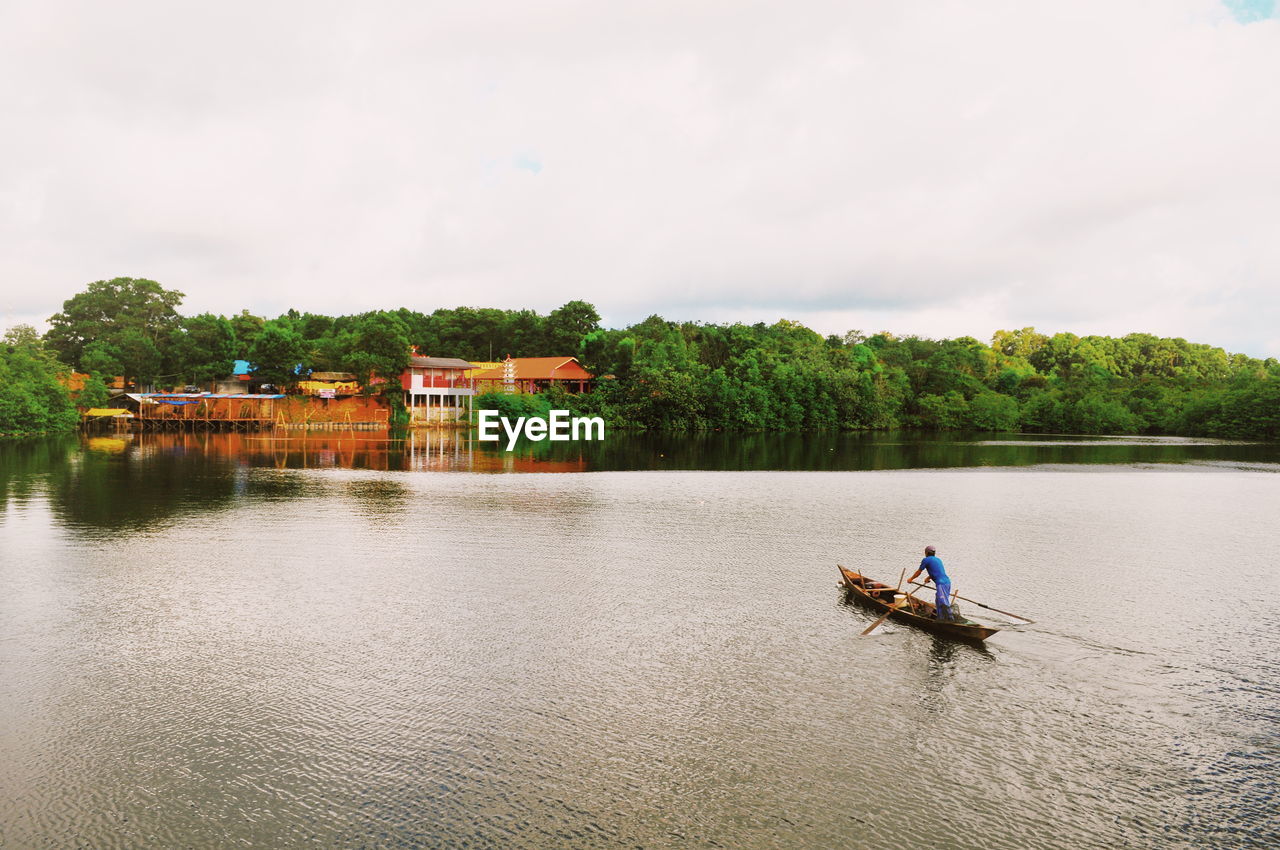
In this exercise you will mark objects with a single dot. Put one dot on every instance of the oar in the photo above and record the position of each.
(980, 605)
(894, 607)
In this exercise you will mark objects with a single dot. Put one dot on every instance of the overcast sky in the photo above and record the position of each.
(938, 168)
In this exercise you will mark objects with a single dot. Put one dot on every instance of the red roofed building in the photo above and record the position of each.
(533, 374)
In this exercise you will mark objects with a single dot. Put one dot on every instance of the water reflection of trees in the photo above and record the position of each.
(140, 484)
(837, 451)
(379, 499)
(25, 466)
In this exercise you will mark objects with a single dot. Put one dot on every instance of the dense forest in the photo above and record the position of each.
(662, 375)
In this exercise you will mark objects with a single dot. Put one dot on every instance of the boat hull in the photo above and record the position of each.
(918, 612)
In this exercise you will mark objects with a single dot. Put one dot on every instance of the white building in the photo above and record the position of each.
(436, 389)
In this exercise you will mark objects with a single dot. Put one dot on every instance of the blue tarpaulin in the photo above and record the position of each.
(192, 398)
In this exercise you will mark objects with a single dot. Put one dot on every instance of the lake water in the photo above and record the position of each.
(222, 641)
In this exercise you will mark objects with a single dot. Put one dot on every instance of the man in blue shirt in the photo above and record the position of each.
(941, 583)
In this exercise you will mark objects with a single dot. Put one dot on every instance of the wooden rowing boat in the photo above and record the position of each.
(916, 611)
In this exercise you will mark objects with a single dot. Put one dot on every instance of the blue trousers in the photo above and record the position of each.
(943, 600)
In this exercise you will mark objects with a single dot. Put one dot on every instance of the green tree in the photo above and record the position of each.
(139, 355)
(943, 412)
(608, 353)
(23, 336)
(1097, 414)
(101, 358)
(478, 333)
(203, 348)
(1020, 343)
(381, 348)
(33, 398)
(332, 352)
(512, 405)
(277, 350)
(990, 411)
(566, 326)
(246, 328)
(131, 318)
(94, 393)
(1044, 412)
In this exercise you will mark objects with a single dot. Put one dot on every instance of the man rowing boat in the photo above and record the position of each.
(941, 582)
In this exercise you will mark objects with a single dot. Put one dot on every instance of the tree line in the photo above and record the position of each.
(662, 375)
(784, 376)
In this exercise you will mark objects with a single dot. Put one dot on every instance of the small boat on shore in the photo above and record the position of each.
(914, 610)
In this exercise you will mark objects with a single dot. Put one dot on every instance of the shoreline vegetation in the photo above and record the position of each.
(659, 375)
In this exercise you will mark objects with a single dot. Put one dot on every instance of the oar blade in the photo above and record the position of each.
(871, 628)
(898, 599)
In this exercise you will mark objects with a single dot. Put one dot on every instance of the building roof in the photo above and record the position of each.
(538, 368)
(331, 376)
(74, 380)
(416, 362)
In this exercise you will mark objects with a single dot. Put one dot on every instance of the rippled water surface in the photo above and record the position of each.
(214, 648)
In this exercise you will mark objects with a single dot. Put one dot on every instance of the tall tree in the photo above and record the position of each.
(134, 316)
(381, 348)
(276, 353)
(140, 356)
(203, 348)
(101, 358)
(565, 327)
(1020, 343)
(246, 327)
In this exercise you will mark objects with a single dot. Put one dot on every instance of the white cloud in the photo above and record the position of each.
(944, 168)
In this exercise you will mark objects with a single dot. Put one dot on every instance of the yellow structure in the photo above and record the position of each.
(336, 387)
(330, 384)
(481, 367)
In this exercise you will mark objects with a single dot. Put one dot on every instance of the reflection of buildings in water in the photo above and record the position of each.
(379, 498)
(458, 449)
(297, 450)
(439, 448)
(109, 445)
(515, 462)
(435, 449)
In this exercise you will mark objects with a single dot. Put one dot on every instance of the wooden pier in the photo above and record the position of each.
(205, 412)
